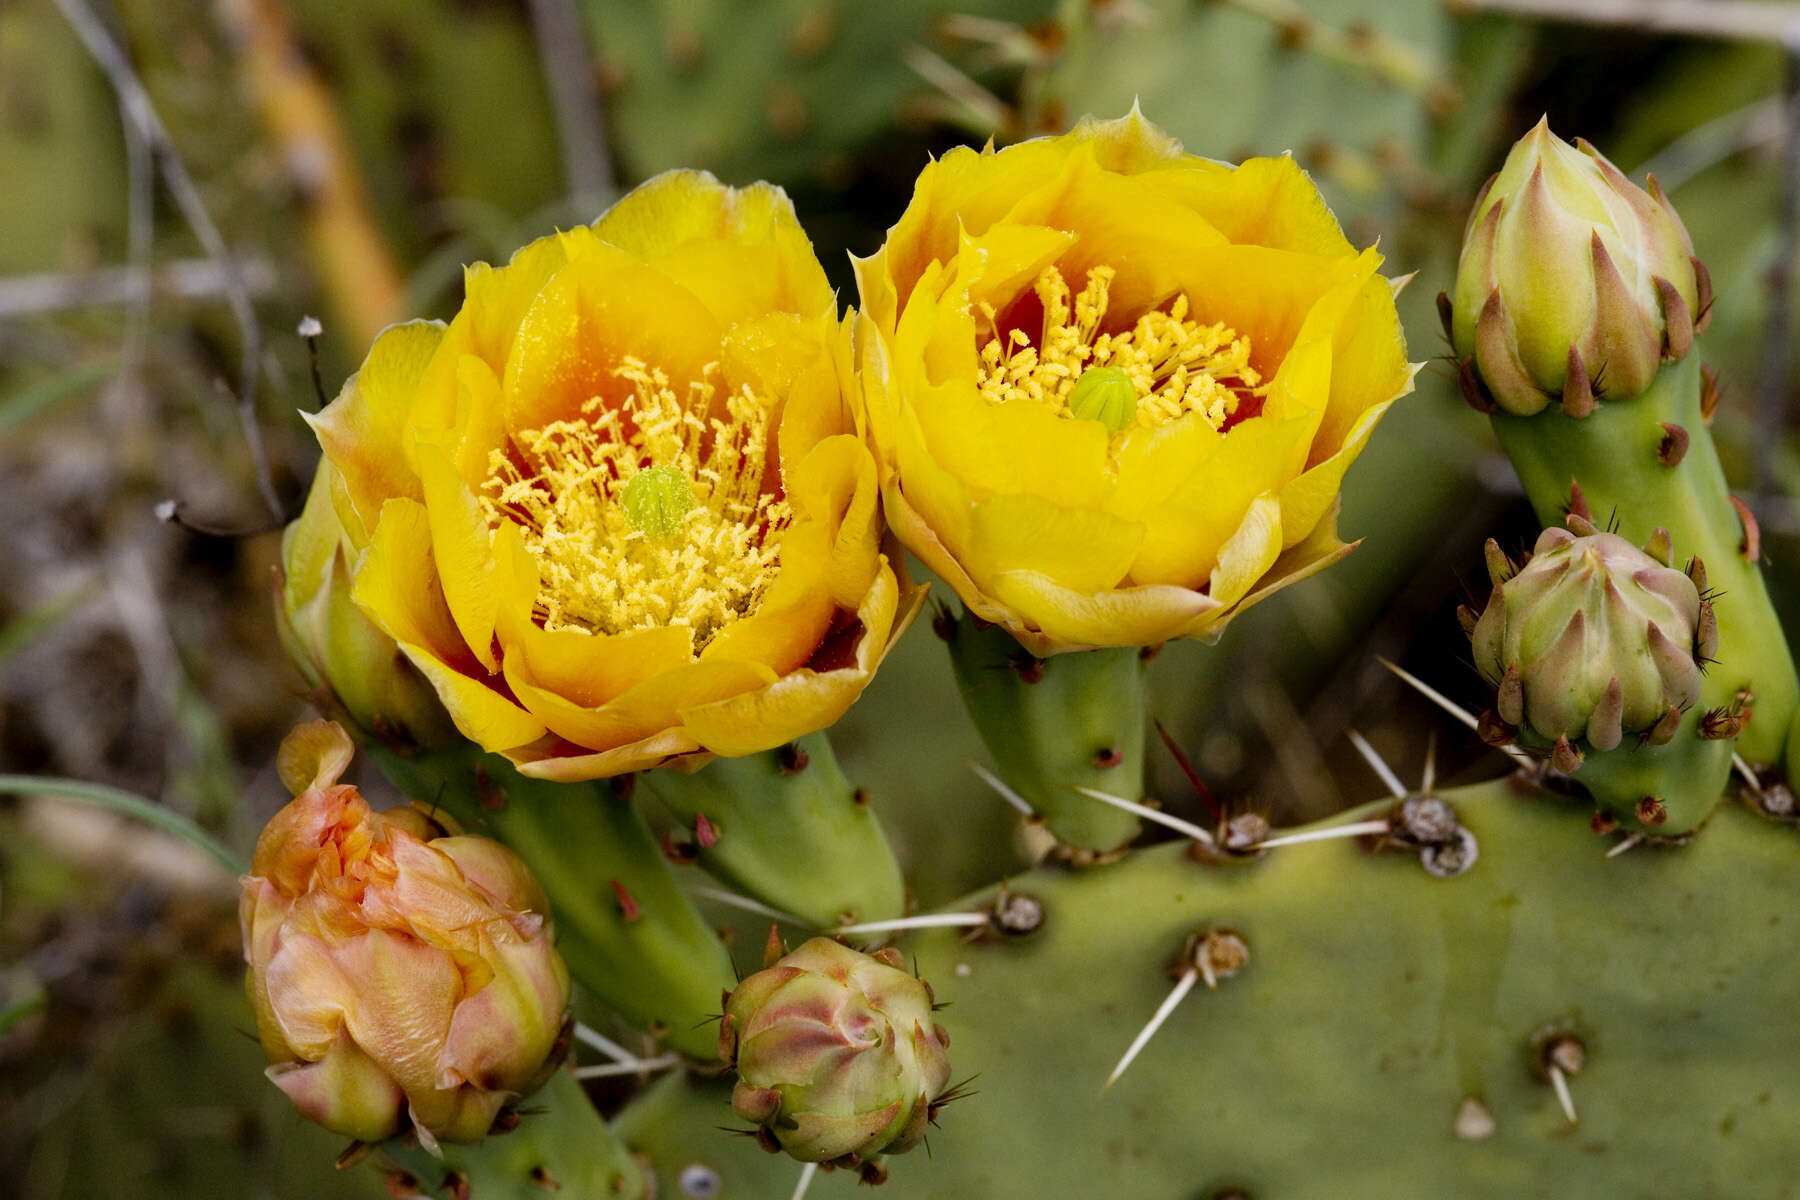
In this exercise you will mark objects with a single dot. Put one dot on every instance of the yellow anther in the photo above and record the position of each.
(1173, 366)
(623, 545)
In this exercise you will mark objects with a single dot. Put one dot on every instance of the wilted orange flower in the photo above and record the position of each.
(402, 975)
(1113, 388)
(615, 512)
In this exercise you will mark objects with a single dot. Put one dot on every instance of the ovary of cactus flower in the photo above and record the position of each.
(836, 1053)
(1575, 284)
(402, 974)
(1592, 639)
(358, 673)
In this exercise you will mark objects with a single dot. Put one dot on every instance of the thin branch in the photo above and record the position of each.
(562, 45)
(134, 102)
(1735, 20)
(184, 279)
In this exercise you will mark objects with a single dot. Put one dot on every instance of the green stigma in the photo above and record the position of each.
(658, 500)
(1106, 395)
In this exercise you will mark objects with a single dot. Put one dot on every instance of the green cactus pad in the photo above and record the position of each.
(1377, 1001)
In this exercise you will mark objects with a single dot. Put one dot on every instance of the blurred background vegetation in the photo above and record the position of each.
(181, 181)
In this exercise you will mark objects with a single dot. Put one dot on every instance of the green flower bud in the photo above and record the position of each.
(837, 1056)
(1590, 640)
(360, 675)
(1575, 284)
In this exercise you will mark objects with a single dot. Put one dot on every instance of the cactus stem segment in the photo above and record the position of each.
(1045, 720)
(785, 827)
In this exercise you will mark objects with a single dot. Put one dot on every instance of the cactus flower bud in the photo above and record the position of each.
(1590, 640)
(359, 673)
(1575, 284)
(401, 973)
(836, 1053)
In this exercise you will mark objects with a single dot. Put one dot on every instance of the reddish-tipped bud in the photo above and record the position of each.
(837, 1056)
(402, 973)
(1575, 284)
(1591, 640)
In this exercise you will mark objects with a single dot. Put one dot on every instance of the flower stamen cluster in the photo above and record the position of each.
(1175, 365)
(649, 513)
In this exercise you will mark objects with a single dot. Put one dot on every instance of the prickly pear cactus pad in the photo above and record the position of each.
(1392, 1032)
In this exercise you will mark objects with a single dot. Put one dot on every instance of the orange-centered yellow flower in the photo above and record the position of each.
(1113, 388)
(402, 976)
(616, 512)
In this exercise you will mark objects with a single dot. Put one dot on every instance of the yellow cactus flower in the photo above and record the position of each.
(616, 512)
(1113, 388)
(402, 974)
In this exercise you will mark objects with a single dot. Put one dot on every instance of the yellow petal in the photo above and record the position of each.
(483, 715)
(599, 310)
(1186, 534)
(397, 585)
(1084, 549)
(462, 548)
(795, 612)
(807, 699)
(1263, 202)
(1066, 619)
(645, 710)
(1270, 313)
(1307, 499)
(741, 250)
(363, 431)
(1119, 219)
(836, 484)
(1251, 550)
(666, 747)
